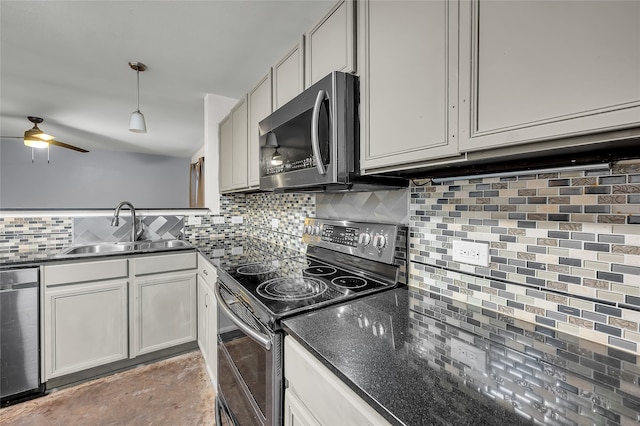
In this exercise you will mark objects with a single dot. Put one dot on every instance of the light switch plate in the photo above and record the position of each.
(470, 252)
(275, 223)
(236, 219)
(218, 220)
(236, 251)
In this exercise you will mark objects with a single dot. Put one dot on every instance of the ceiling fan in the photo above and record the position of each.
(36, 138)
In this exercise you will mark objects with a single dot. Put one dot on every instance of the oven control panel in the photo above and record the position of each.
(375, 241)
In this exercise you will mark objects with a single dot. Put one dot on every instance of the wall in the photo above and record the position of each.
(97, 179)
(565, 249)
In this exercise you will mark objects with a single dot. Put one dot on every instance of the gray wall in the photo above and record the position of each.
(97, 179)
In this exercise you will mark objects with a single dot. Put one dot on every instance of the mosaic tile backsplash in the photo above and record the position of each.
(546, 376)
(564, 248)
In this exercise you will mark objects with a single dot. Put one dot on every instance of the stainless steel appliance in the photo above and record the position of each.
(312, 142)
(261, 285)
(20, 349)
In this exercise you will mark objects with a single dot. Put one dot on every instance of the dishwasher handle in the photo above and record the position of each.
(263, 340)
(17, 286)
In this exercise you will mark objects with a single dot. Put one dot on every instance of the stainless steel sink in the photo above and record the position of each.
(114, 248)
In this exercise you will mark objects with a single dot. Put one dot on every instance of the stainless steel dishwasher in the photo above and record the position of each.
(19, 346)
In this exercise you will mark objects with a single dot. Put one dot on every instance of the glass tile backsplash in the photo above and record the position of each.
(564, 248)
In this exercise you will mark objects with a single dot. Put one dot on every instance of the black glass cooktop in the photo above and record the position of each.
(288, 286)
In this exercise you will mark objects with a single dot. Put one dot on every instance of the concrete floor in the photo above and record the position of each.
(174, 392)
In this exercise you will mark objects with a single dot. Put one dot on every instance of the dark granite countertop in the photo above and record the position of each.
(403, 351)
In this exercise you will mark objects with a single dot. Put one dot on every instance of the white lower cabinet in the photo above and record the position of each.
(98, 312)
(85, 325)
(316, 396)
(164, 312)
(207, 317)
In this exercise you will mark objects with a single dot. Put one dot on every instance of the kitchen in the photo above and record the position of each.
(563, 242)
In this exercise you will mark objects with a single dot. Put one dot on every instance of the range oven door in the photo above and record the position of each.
(311, 140)
(249, 365)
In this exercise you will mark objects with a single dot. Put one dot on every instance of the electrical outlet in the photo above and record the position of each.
(473, 253)
(237, 251)
(194, 220)
(275, 223)
(468, 355)
(218, 220)
(236, 219)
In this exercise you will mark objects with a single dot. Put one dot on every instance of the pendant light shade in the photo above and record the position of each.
(137, 123)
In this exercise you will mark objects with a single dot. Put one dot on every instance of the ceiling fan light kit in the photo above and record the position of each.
(137, 123)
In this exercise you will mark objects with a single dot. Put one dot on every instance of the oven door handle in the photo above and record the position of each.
(263, 340)
(315, 132)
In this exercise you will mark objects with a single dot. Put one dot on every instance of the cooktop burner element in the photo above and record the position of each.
(291, 288)
(320, 271)
(256, 268)
(350, 282)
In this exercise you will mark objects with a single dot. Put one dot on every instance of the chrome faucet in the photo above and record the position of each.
(116, 219)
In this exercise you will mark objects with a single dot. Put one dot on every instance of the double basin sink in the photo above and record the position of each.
(125, 247)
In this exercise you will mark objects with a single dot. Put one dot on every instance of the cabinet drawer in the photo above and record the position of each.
(164, 263)
(206, 270)
(69, 273)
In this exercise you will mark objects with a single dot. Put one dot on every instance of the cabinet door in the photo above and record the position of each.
(536, 70)
(85, 325)
(407, 58)
(260, 102)
(203, 332)
(226, 153)
(295, 413)
(164, 312)
(288, 76)
(322, 394)
(239, 157)
(329, 45)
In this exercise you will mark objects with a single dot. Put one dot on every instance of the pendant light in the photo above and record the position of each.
(137, 124)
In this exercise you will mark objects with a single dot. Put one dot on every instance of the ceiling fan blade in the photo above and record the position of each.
(65, 145)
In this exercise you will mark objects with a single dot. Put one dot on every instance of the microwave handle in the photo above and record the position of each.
(261, 339)
(315, 130)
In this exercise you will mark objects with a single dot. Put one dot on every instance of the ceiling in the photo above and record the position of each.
(67, 62)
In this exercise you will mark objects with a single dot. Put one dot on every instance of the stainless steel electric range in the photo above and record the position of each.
(261, 285)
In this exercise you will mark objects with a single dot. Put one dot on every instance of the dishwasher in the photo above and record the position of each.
(19, 336)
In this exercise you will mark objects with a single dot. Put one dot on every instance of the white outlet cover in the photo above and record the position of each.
(275, 223)
(468, 355)
(194, 220)
(470, 252)
(236, 219)
(218, 220)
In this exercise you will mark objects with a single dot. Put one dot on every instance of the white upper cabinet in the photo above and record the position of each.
(234, 148)
(407, 60)
(536, 70)
(288, 75)
(260, 102)
(240, 152)
(330, 44)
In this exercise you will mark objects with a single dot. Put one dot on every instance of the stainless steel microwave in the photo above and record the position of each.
(312, 142)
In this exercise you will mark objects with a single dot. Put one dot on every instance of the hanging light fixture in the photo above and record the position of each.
(137, 124)
(272, 141)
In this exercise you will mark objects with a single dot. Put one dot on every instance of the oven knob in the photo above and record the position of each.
(379, 241)
(364, 239)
